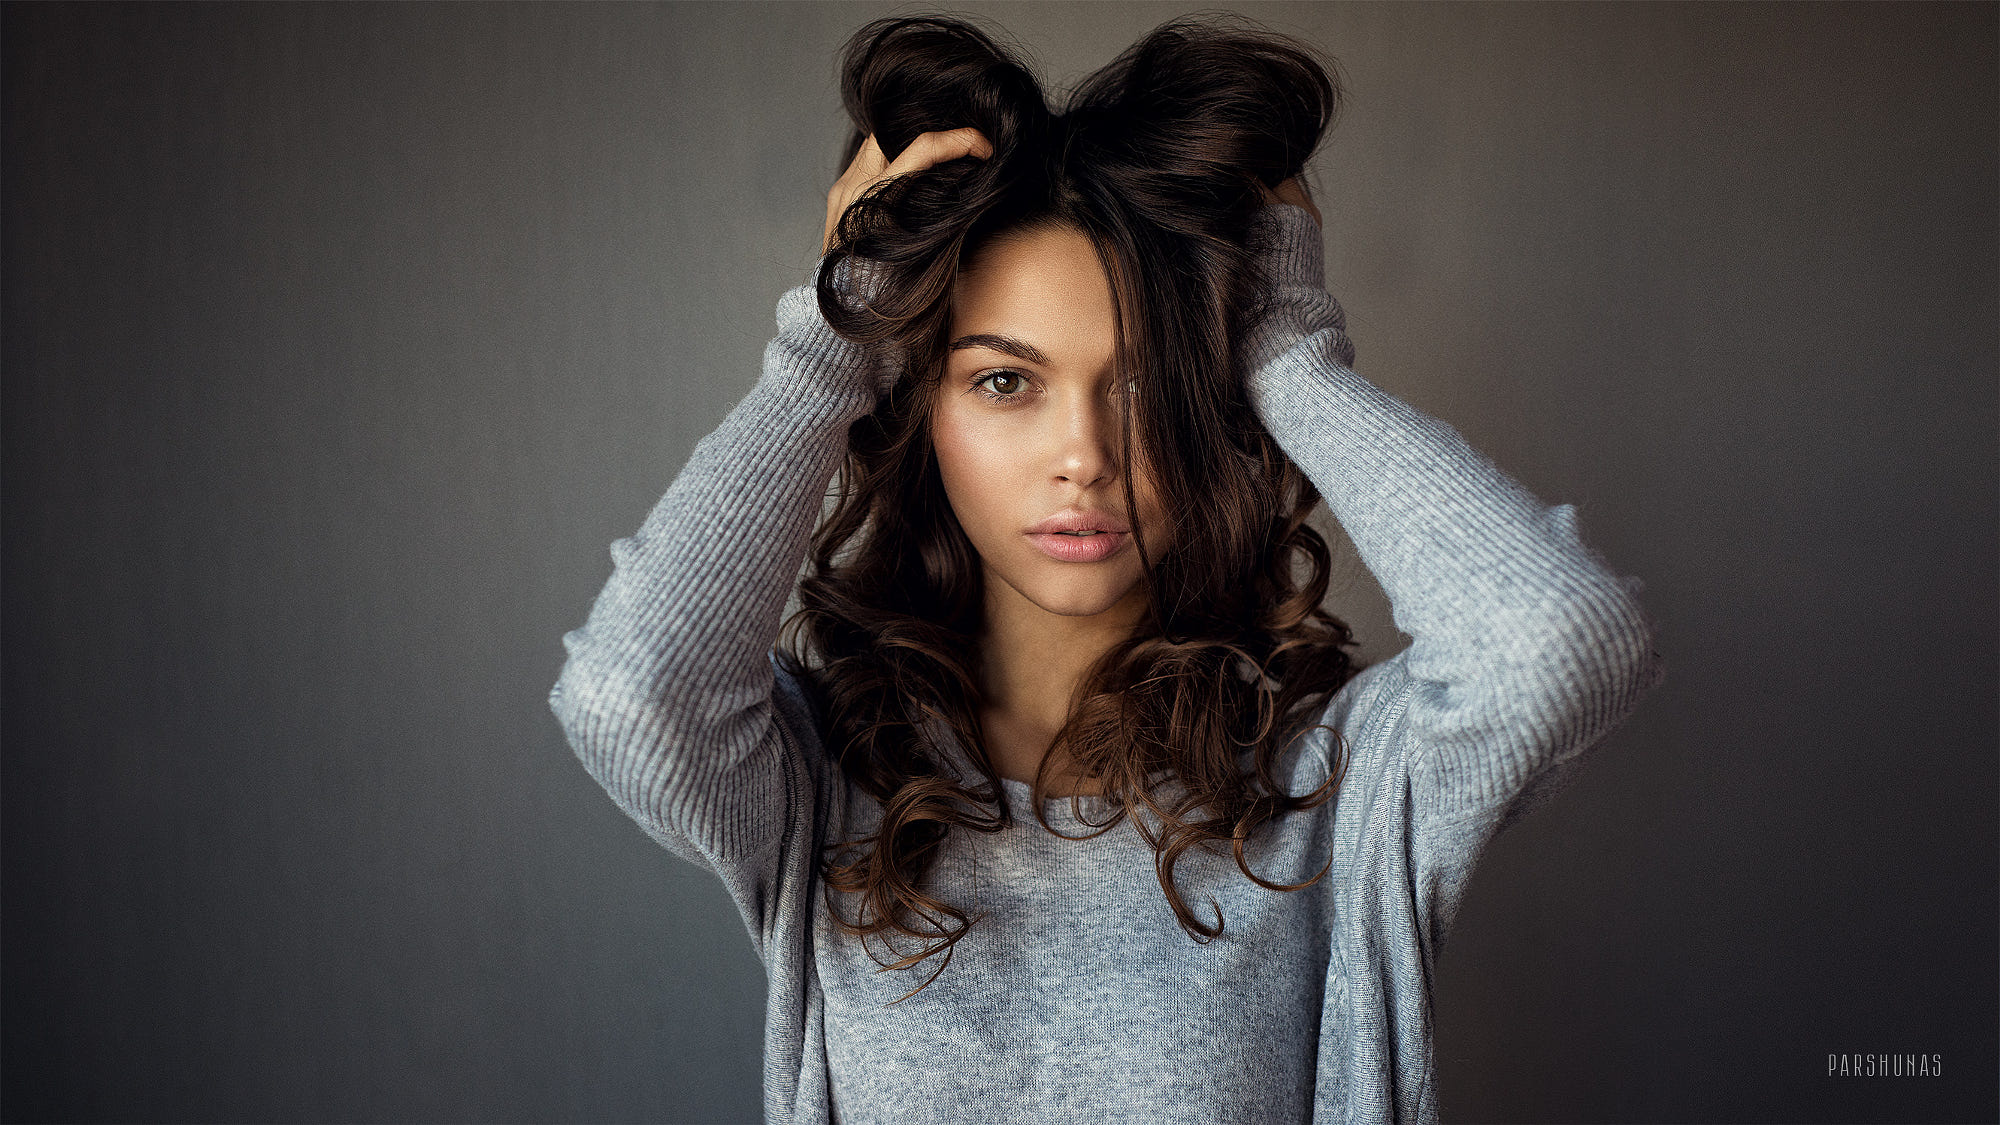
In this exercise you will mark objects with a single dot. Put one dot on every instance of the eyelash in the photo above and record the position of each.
(980, 380)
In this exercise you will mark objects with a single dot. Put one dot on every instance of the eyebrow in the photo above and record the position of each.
(1019, 349)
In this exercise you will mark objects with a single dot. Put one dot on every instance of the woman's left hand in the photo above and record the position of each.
(1293, 191)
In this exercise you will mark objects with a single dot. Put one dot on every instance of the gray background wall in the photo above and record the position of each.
(340, 341)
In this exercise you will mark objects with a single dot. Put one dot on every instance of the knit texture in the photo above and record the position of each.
(1077, 996)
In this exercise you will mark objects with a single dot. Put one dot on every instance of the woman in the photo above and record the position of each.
(1060, 711)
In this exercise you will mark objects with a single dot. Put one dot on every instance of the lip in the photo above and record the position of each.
(1077, 519)
(1110, 538)
(1079, 548)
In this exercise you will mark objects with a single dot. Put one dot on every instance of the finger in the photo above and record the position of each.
(938, 147)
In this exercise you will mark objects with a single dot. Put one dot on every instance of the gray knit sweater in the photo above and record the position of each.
(1077, 997)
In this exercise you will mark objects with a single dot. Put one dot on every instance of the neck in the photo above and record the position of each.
(1032, 661)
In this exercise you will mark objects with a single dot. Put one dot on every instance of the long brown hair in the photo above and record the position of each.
(1158, 158)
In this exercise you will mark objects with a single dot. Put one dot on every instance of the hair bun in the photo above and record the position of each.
(903, 77)
(1199, 107)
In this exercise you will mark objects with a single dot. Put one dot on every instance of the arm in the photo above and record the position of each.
(1526, 648)
(666, 696)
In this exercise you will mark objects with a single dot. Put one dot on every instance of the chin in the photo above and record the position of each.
(1075, 606)
(1078, 596)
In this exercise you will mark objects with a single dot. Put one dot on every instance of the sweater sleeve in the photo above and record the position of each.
(1526, 648)
(667, 693)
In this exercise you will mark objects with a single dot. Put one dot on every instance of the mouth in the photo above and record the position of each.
(1079, 546)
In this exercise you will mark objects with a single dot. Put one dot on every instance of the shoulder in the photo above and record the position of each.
(1349, 728)
(1367, 695)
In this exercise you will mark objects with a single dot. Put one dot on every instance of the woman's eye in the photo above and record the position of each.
(1003, 384)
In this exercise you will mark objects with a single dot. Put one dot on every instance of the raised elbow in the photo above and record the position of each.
(1600, 649)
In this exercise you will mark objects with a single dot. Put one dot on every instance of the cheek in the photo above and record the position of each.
(1159, 522)
(972, 462)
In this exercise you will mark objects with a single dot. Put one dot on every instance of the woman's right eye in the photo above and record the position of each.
(1004, 384)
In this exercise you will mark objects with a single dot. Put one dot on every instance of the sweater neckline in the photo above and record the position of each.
(1018, 794)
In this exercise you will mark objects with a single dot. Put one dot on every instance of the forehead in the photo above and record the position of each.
(1046, 286)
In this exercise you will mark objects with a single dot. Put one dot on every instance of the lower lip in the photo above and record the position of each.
(1080, 548)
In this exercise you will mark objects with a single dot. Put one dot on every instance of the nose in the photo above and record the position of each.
(1086, 441)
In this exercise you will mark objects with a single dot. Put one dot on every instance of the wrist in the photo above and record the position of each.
(808, 348)
(858, 280)
(1289, 246)
(1291, 257)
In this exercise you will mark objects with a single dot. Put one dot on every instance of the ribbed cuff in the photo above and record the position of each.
(1292, 261)
(1289, 243)
(813, 351)
(859, 280)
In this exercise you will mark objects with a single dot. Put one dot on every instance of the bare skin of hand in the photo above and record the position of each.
(1293, 191)
(870, 167)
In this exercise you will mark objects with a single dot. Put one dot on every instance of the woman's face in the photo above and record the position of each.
(1026, 426)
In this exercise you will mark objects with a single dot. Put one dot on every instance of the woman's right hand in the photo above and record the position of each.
(870, 167)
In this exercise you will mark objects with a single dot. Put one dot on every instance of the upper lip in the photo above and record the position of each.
(1073, 519)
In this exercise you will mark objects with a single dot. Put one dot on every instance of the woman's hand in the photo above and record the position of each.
(1293, 191)
(870, 167)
